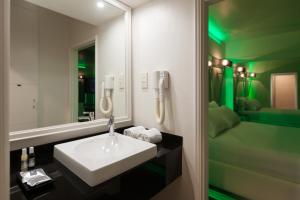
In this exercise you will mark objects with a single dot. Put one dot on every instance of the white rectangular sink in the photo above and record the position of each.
(100, 158)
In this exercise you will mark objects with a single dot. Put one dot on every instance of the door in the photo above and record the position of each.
(24, 69)
(23, 107)
(284, 91)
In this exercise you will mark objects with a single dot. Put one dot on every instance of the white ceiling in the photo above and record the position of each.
(134, 3)
(83, 10)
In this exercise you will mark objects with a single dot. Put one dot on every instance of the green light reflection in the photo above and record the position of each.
(215, 32)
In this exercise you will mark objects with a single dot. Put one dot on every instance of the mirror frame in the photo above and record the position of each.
(39, 136)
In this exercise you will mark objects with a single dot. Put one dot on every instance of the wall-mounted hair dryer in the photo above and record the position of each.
(160, 83)
(106, 94)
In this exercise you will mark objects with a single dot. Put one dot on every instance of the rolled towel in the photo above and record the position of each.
(134, 132)
(153, 136)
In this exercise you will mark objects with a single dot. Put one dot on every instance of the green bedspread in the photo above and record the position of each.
(290, 118)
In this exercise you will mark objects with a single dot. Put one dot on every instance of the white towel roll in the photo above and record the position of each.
(134, 132)
(153, 136)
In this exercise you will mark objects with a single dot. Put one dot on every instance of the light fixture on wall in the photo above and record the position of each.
(219, 63)
(252, 75)
(226, 63)
(210, 63)
(100, 4)
(240, 69)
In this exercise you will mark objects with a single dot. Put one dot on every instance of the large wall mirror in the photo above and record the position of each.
(70, 63)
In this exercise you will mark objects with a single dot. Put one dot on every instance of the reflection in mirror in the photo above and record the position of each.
(86, 83)
(66, 57)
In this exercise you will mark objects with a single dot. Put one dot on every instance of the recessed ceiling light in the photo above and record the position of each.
(100, 4)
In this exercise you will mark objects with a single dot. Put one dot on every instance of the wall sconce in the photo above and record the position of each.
(81, 75)
(241, 69)
(219, 63)
(252, 75)
(226, 63)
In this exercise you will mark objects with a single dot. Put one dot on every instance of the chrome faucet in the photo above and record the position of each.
(111, 125)
(91, 115)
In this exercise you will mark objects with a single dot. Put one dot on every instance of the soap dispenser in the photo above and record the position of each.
(24, 160)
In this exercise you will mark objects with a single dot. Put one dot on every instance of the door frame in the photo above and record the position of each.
(272, 85)
(73, 94)
(4, 98)
(201, 98)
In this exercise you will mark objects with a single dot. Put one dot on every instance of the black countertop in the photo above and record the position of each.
(140, 183)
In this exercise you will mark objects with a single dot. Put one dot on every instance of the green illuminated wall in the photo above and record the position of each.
(227, 96)
(260, 88)
(218, 51)
(223, 95)
(277, 53)
(215, 32)
(222, 87)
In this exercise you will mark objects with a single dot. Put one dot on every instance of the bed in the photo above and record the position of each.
(290, 118)
(257, 161)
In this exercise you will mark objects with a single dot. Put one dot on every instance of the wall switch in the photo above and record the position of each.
(121, 81)
(144, 80)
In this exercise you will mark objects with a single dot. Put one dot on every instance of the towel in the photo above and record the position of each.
(153, 136)
(134, 132)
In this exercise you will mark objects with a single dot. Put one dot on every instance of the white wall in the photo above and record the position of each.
(53, 100)
(4, 149)
(40, 63)
(164, 38)
(112, 61)
(110, 56)
(24, 66)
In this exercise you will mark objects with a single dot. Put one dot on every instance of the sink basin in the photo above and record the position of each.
(100, 158)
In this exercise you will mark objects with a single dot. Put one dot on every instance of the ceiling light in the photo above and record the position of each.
(210, 63)
(226, 63)
(100, 4)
